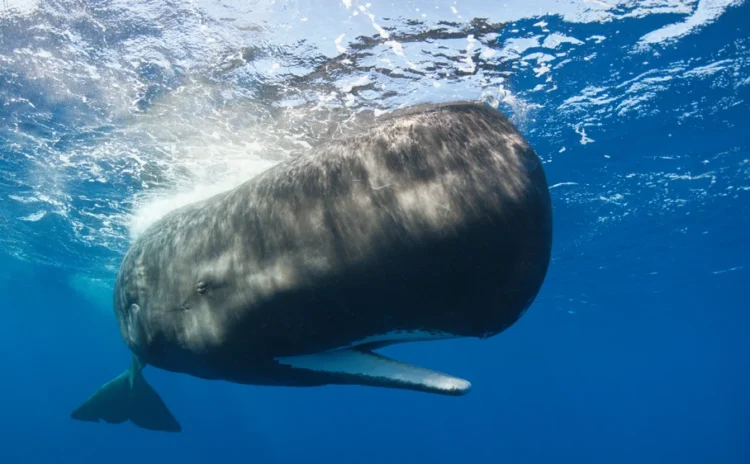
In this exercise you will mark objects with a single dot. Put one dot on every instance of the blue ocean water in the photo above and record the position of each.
(634, 351)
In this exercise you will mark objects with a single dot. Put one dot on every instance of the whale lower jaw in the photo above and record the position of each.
(359, 366)
(362, 367)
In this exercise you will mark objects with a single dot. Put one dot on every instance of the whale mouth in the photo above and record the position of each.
(363, 367)
(357, 364)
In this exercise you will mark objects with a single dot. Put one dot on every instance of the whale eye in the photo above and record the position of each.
(201, 288)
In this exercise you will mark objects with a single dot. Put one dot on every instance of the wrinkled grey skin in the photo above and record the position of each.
(436, 219)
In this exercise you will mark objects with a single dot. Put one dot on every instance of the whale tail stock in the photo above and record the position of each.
(128, 397)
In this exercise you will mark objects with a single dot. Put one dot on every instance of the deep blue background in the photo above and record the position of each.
(635, 351)
(648, 371)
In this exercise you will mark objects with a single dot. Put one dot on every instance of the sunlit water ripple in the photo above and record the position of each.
(116, 112)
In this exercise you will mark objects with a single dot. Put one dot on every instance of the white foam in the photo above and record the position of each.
(706, 12)
(34, 217)
(556, 39)
(562, 184)
(151, 207)
(731, 269)
(22, 7)
(580, 130)
(337, 42)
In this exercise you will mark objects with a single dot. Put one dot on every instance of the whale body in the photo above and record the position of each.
(433, 222)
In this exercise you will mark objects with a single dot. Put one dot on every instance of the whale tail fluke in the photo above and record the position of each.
(128, 397)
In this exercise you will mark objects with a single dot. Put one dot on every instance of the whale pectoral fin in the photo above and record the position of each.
(128, 397)
(362, 367)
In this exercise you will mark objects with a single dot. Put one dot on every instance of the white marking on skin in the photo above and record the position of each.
(277, 276)
(426, 201)
(219, 267)
(338, 40)
(374, 366)
(201, 329)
